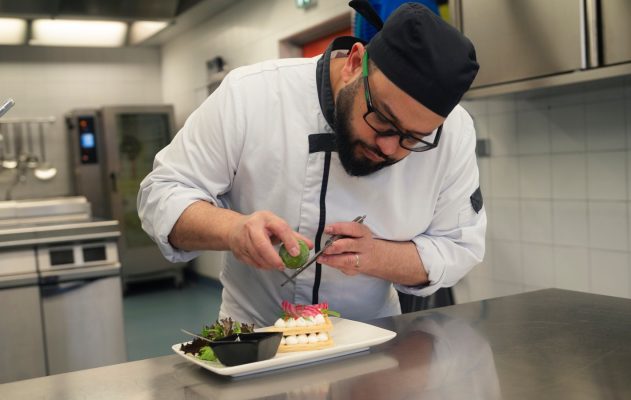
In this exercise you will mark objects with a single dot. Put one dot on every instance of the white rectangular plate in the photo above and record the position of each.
(349, 337)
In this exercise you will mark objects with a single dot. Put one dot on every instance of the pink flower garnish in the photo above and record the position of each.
(303, 310)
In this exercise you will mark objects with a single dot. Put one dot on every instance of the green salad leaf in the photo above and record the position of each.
(220, 329)
(207, 354)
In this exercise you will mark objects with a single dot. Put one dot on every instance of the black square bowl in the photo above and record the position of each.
(245, 348)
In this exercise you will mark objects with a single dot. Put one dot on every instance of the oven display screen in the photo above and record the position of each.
(87, 140)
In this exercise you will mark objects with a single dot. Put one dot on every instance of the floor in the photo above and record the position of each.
(156, 311)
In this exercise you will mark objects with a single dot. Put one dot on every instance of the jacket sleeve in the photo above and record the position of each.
(198, 164)
(454, 241)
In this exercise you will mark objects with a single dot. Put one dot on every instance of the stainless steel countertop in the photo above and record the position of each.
(548, 344)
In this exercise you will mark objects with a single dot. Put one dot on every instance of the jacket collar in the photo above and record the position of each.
(323, 76)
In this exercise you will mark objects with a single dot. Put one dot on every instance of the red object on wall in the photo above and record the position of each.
(318, 46)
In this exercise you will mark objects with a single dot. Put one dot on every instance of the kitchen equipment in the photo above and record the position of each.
(60, 289)
(6, 106)
(114, 148)
(30, 159)
(328, 243)
(9, 160)
(44, 171)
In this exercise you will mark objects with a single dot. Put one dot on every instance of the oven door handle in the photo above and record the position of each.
(18, 280)
(58, 289)
(75, 274)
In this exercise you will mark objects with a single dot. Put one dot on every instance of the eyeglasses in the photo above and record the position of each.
(385, 127)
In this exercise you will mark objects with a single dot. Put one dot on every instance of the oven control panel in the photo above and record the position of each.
(77, 254)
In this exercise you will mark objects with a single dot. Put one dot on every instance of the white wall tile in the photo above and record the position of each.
(481, 124)
(605, 125)
(627, 114)
(607, 175)
(535, 177)
(570, 225)
(477, 107)
(500, 288)
(532, 132)
(530, 101)
(608, 225)
(485, 268)
(504, 220)
(477, 289)
(461, 292)
(538, 265)
(569, 176)
(603, 91)
(629, 222)
(507, 263)
(564, 96)
(504, 177)
(503, 134)
(572, 268)
(536, 221)
(567, 128)
(501, 104)
(610, 273)
(484, 168)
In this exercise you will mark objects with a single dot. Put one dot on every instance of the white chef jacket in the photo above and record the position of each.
(261, 141)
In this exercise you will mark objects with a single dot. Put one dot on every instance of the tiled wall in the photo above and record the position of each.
(50, 81)
(557, 191)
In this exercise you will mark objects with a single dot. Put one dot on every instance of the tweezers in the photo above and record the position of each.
(328, 243)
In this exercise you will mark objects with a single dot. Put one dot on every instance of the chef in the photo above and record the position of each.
(297, 148)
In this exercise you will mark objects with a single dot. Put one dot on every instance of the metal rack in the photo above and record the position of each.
(17, 148)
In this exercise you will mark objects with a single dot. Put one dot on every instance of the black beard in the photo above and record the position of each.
(346, 144)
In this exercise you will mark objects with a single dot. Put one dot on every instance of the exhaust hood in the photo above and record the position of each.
(78, 22)
(97, 9)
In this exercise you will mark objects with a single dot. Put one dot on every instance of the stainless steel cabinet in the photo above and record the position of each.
(616, 31)
(517, 40)
(22, 353)
(83, 323)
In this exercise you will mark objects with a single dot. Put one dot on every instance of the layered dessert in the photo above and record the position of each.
(304, 327)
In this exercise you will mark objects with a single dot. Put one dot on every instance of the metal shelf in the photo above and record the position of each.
(575, 77)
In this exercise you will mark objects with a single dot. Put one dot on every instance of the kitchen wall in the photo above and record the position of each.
(247, 32)
(557, 189)
(50, 81)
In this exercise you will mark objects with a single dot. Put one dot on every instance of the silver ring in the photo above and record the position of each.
(356, 260)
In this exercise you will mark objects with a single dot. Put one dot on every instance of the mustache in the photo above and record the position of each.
(376, 150)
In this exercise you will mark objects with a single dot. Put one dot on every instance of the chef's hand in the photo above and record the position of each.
(352, 254)
(253, 238)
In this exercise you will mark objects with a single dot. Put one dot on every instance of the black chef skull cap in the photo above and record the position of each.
(425, 57)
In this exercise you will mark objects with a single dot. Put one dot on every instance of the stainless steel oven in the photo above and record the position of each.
(60, 289)
(113, 150)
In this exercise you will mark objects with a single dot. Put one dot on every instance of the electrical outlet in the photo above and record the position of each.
(483, 148)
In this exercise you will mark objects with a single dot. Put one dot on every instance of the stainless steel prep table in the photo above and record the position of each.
(548, 344)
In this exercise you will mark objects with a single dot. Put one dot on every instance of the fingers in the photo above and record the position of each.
(351, 229)
(252, 241)
(345, 253)
(347, 263)
(262, 252)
